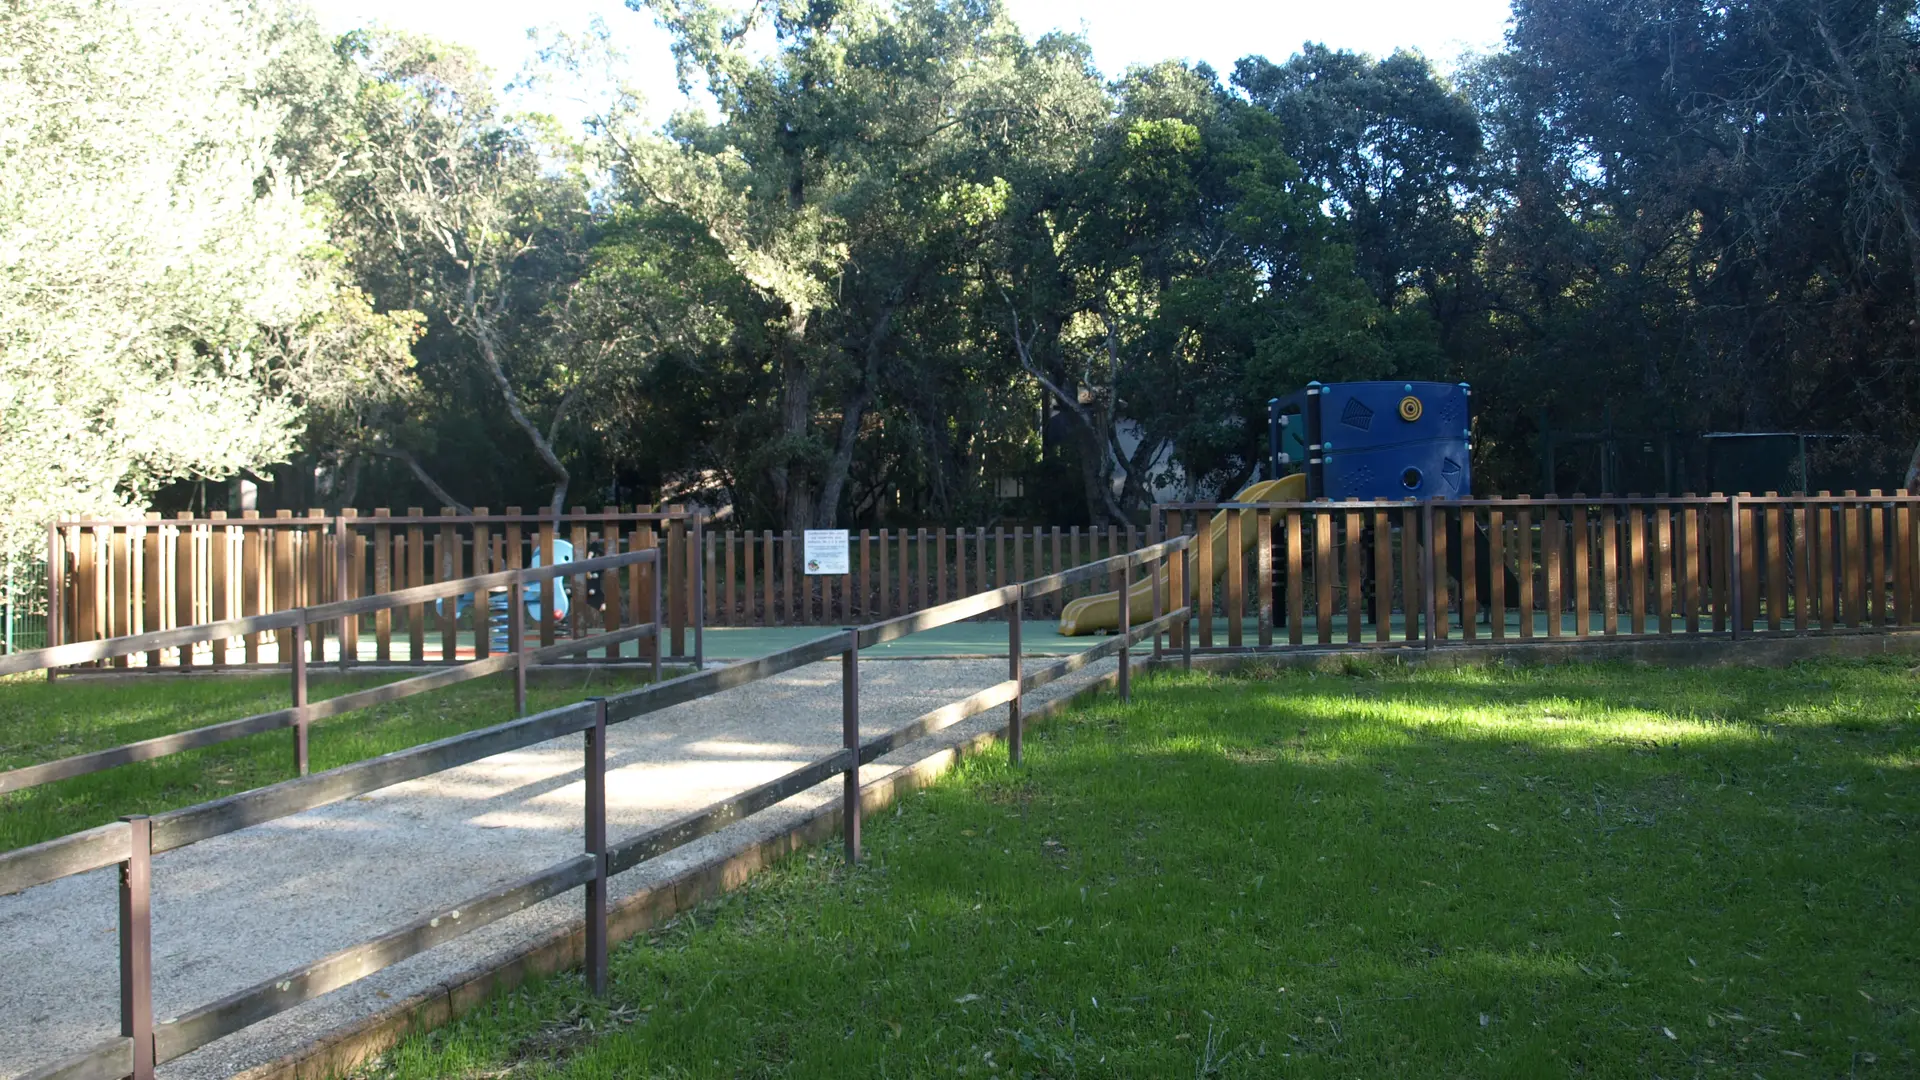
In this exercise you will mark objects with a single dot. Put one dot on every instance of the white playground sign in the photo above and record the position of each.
(826, 551)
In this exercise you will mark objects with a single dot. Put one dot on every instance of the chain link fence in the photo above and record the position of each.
(23, 604)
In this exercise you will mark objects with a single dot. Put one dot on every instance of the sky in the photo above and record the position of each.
(1122, 32)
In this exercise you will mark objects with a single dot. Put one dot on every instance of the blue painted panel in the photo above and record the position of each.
(1371, 448)
(1435, 469)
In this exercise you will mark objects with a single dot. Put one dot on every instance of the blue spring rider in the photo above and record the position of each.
(535, 591)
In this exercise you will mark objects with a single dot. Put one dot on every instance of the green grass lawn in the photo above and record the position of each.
(42, 721)
(1589, 871)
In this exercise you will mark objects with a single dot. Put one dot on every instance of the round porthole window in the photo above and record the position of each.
(1411, 478)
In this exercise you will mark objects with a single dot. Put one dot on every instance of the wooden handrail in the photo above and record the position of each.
(103, 846)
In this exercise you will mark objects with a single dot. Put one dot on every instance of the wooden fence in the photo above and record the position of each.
(300, 714)
(131, 844)
(757, 578)
(119, 578)
(1365, 573)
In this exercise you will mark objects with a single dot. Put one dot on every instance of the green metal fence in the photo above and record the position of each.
(23, 604)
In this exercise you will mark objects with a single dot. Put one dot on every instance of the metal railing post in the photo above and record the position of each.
(596, 848)
(299, 698)
(1015, 735)
(659, 634)
(850, 738)
(1126, 629)
(136, 946)
(517, 643)
(699, 592)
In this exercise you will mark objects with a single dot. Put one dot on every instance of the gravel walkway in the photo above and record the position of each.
(240, 908)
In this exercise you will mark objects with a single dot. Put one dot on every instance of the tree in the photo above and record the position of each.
(168, 301)
(828, 186)
(1177, 280)
(477, 221)
(1698, 212)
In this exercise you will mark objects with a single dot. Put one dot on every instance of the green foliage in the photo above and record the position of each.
(910, 255)
(166, 296)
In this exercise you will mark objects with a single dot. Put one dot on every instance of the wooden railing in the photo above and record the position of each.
(119, 578)
(300, 712)
(757, 578)
(1438, 572)
(132, 843)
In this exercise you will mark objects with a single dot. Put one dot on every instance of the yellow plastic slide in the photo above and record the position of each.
(1093, 614)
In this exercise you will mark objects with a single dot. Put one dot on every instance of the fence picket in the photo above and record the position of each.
(1523, 570)
(1263, 575)
(1901, 564)
(1875, 564)
(1637, 566)
(1296, 579)
(1356, 575)
(1236, 592)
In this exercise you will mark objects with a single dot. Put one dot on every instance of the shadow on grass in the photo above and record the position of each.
(1602, 871)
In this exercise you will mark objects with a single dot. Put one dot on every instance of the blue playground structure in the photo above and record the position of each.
(1375, 440)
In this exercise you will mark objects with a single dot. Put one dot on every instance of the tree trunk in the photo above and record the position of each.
(792, 476)
(834, 484)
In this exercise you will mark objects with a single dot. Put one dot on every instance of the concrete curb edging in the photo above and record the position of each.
(354, 1044)
(1765, 651)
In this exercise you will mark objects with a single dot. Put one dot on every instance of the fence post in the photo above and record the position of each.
(1737, 602)
(1014, 733)
(596, 845)
(342, 570)
(1126, 627)
(1427, 587)
(1159, 608)
(517, 642)
(300, 696)
(136, 945)
(850, 738)
(56, 594)
(659, 632)
(699, 592)
(13, 601)
(1186, 603)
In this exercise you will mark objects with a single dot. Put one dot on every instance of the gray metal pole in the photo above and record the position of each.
(517, 643)
(699, 592)
(659, 631)
(850, 736)
(300, 699)
(1014, 725)
(596, 848)
(136, 946)
(1126, 629)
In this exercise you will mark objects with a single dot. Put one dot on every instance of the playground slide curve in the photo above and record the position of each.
(1094, 614)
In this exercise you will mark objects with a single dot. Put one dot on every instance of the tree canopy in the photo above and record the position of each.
(913, 265)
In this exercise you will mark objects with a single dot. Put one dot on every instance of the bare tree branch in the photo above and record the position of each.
(426, 480)
(480, 329)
